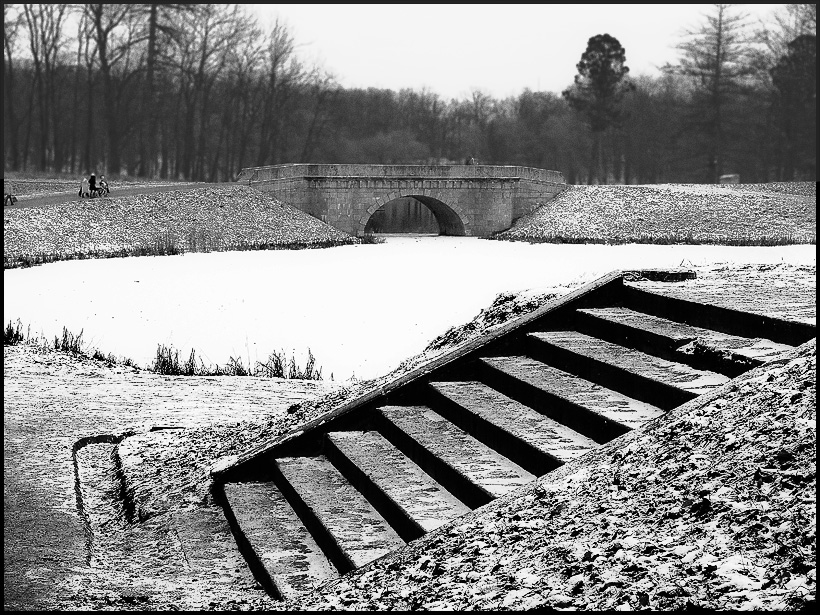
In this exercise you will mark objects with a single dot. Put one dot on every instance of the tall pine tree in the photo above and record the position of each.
(598, 90)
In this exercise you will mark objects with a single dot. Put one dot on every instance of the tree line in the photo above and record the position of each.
(199, 91)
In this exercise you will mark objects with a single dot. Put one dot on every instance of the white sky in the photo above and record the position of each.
(499, 49)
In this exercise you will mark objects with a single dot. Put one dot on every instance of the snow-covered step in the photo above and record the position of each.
(590, 408)
(290, 556)
(666, 384)
(346, 525)
(531, 439)
(638, 329)
(716, 311)
(472, 471)
(404, 494)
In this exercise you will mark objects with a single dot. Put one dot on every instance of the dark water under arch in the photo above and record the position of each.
(412, 214)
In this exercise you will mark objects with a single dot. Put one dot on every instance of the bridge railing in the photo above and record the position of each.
(456, 171)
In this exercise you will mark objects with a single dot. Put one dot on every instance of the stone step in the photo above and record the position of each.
(712, 311)
(470, 470)
(534, 441)
(663, 383)
(685, 342)
(401, 491)
(343, 522)
(290, 557)
(589, 408)
(207, 546)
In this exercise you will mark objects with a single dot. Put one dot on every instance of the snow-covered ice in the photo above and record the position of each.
(361, 309)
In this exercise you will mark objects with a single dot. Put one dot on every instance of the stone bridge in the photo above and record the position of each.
(472, 200)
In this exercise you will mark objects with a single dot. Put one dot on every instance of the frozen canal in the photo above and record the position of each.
(360, 309)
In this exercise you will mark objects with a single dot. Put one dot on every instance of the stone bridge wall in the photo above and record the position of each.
(473, 200)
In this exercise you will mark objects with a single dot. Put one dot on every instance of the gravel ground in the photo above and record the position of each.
(625, 527)
(195, 220)
(744, 214)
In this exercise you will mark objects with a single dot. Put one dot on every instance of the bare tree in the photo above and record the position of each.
(283, 75)
(480, 107)
(324, 91)
(718, 58)
(45, 22)
(88, 50)
(81, 95)
(243, 85)
(235, 96)
(115, 35)
(204, 53)
(12, 20)
(161, 27)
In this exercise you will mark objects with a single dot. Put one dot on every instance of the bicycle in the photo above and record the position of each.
(100, 191)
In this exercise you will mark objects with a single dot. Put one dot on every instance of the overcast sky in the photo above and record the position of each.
(500, 49)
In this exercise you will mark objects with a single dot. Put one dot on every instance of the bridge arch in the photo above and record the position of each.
(451, 220)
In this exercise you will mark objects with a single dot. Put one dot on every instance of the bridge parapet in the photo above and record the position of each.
(459, 171)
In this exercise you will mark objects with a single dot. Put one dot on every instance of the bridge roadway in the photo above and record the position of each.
(472, 200)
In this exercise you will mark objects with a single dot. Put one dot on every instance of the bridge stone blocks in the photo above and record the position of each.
(472, 200)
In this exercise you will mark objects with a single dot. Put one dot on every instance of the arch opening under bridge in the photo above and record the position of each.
(414, 213)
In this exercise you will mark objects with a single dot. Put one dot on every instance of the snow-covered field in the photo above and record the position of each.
(361, 309)
(773, 213)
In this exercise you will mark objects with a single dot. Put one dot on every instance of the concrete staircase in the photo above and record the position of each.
(479, 423)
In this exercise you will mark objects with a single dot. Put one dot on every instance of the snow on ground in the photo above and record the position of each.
(361, 309)
(744, 214)
(156, 220)
(52, 399)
